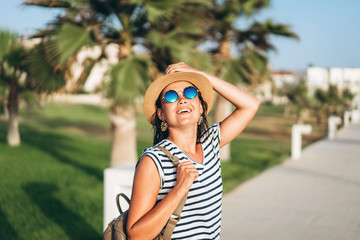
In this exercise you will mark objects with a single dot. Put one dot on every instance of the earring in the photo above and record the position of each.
(164, 126)
(200, 120)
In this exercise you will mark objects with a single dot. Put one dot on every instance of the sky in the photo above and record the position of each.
(329, 30)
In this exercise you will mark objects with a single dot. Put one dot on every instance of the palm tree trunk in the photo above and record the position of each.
(124, 136)
(13, 135)
(222, 110)
(42, 100)
(6, 109)
(223, 107)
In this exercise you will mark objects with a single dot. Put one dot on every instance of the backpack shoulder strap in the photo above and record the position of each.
(175, 217)
(173, 158)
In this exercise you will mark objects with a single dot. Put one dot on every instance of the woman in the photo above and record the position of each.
(177, 105)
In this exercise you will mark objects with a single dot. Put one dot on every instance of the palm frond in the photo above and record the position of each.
(258, 34)
(128, 80)
(101, 7)
(8, 40)
(234, 71)
(14, 57)
(198, 60)
(158, 10)
(257, 59)
(68, 41)
(175, 42)
(42, 74)
(251, 7)
(48, 4)
(251, 68)
(279, 29)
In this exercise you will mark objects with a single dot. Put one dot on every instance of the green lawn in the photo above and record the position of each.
(264, 143)
(52, 185)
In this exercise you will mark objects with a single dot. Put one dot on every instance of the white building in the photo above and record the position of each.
(343, 78)
(283, 79)
(317, 78)
(269, 90)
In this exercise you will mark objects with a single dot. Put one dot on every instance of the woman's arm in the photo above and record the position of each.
(245, 104)
(145, 220)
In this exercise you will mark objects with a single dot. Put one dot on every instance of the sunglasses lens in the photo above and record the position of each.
(171, 96)
(190, 92)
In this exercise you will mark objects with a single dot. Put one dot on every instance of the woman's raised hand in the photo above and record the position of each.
(180, 67)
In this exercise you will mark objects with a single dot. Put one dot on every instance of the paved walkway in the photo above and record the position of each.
(315, 198)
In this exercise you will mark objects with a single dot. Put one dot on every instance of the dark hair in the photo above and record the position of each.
(156, 122)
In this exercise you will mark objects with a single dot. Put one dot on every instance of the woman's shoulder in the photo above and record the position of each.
(150, 151)
(211, 131)
(155, 152)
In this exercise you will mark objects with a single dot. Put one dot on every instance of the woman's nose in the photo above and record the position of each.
(182, 99)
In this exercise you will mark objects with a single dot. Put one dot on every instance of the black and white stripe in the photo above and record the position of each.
(201, 215)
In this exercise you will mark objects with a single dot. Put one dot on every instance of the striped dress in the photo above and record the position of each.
(201, 215)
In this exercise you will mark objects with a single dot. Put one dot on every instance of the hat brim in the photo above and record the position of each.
(156, 87)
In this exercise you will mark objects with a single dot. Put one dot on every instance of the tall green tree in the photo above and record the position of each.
(321, 108)
(332, 102)
(348, 98)
(225, 34)
(20, 77)
(10, 75)
(150, 25)
(299, 101)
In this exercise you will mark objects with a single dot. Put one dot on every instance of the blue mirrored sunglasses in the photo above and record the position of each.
(172, 96)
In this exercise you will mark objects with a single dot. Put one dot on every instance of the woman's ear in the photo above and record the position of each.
(160, 114)
(201, 109)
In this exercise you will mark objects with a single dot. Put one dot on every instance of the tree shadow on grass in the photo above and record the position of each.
(72, 224)
(55, 144)
(6, 229)
(3, 130)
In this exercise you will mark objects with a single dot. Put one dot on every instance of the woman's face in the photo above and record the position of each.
(183, 111)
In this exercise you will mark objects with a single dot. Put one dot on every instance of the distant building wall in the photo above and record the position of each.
(343, 78)
(317, 78)
(336, 76)
(283, 78)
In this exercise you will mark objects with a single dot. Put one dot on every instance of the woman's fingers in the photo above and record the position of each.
(186, 174)
(177, 67)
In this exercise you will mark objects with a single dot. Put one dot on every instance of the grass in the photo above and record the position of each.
(264, 143)
(52, 185)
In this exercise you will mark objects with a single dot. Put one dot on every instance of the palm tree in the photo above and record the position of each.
(249, 67)
(25, 73)
(335, 101)
(321, 108)
(10, 74)
(128, 24)
(348, 98)
(299, 100)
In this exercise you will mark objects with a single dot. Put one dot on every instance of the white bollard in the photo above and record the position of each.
(347, 116)
(333, 122)
(296, 131)
(355, 115)
(116, 180)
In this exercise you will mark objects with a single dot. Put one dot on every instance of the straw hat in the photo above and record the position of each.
(156, 87)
